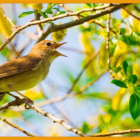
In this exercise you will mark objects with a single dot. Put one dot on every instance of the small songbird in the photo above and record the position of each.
(26, 72)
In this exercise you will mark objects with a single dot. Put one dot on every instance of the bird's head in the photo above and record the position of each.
(47, 48)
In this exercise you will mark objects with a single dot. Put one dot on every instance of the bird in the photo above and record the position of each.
(26, 72)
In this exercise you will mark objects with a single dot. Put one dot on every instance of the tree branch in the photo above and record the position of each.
(20, 129)
(19, 101)
(10, 20)
(16, 102)
(117, 133)
(130, 13)
(81, 21)
(108, 39)
(86, 65)
(74, 94)
(56, 120)
(62, 26)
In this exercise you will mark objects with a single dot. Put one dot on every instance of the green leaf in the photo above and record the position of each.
(60, 12)
(49, 11)
(134, 106)
(50, 5)
(118, 83)
(85, 128)
(43, 14)
(53, 4)
(110, 67)
(138, 87)
(25, 14)
(129, 70)
(125, 65)
(56, 9)
(117, 69)
(89, 5)
(133, 79)
(123, 31)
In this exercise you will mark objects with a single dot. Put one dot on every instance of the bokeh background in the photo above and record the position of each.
(103, 107)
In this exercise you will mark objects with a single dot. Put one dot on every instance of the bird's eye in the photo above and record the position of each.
(48, 44)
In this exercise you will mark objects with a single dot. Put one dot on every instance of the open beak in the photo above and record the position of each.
(57, 46)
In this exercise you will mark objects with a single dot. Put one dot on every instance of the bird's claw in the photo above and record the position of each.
(16, 97)
(26, 104)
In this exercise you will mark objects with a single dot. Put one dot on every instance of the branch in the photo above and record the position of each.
(86, 65)
(30, 125)
(20, 129)
(16, 102)
(136, 8)
(11, 22)
(42, 112)
(85, 10)
(91, 21)
(39, 26)
(117, 133)
(130, 13)
(52, 117)
(71, 95)
(58, 109)
(64, 7)
(56, 120)
(108, 39)
(62, 26)
(37, 17)
(96, 22)
(80, 21)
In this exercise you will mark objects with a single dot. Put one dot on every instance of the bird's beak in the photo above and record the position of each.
(57, 46)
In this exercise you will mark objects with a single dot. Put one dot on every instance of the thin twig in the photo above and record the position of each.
(58, 99)
(16, 102)
(62, 26)
(108, 39)
(136, 8)
(96, 22)
(58, 109)
(91, 21)
(56, 120)
(39, 26)
(64, 7)
(20, 129)
(79, 75)
(31, 35)
(37, 17)
(30, 125)
(117, 133)
(10, 20)
(52, 117)
(79, 21)
(130, 13)
(85, 10)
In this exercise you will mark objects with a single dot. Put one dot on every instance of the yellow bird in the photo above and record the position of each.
(26, 72)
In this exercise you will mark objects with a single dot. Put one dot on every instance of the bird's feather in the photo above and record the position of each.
(19, 65)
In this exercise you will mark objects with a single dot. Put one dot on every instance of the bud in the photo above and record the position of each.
(59, 35)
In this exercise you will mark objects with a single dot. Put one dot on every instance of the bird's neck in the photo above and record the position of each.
(45, 54)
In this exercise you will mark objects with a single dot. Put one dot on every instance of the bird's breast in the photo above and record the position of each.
(44, 69)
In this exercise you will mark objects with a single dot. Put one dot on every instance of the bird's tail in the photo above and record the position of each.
(2, 94)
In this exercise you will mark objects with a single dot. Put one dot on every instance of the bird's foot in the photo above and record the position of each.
(28, 100)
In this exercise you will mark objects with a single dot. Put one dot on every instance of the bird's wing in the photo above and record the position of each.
(19, 65)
